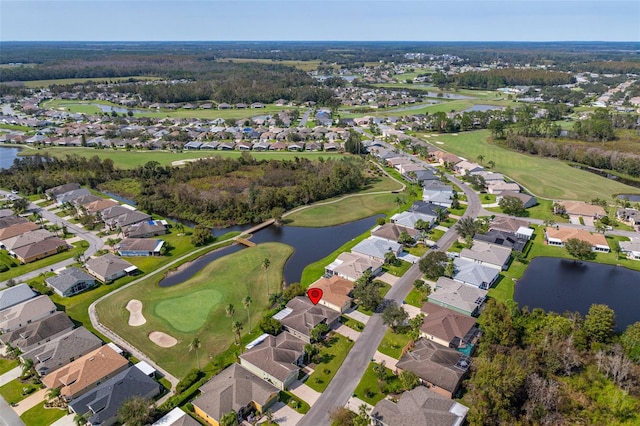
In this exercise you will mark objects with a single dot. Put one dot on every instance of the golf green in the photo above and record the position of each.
(189, 312)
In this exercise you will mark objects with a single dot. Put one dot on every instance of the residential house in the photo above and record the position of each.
(487, 254)
(445, 158)
(126, 219)
(352, 265)
(109, 267)
(86, 372)
(102, 403)
(504, 239)
(151, 228)
(176, 417)
(527, 200)
(10, 219)
(336, 292)
(457, 296)
(465, 167)
(630, 216)
(33, 252)
(577, 208)
(449, 328)
(192, 145)
(498, 187)
(420, 406)
(16, 229)
(68, 197)
(98, 205)
(408, 169)
(140, 247)
(32, 335)
(234, 389)
(409, 219)
(277, 359)
(79, 202)
(427, 208)
(62, 350)
(438, 198)
(440, 368)
(70, 281)
(301, 316)
(422, 176)
(508, 224)
(53, 193)
(560, 235)
(113, 212)
(377, 248)
(24, 313)
(392, 231)
(474, 274)
(630, 248)
(26, 239)
(15, 295)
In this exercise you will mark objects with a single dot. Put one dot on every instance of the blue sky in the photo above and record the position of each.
(426, 20)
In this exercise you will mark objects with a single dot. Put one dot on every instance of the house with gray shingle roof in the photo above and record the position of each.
(376, 248)
(68, 197)
(301, 316)
(487, 254)
(475, 274)
(409, 219)
(457, 296)
(15, 295)
(32, 335)
(70, 281)
(25, 313)
(109, 267)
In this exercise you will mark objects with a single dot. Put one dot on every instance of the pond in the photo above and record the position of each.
(634, 198)
(562, 285)
(7, 155)
(309, 244)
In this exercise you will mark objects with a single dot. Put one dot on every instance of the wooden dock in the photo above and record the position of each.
(245, 242)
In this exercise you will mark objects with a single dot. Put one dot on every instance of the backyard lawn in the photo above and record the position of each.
(331, 358)
(7, 364)
(14, 391)
(392, 344)
(196, 307)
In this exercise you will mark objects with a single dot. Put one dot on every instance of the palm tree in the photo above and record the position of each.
(194, 346)
(27, 366)
(491, 164)
(111, 243)
(236, 328)
(265, 264)
(247, 303)
(80, 420)
(480, 158)
(231, 311)
(53, 393)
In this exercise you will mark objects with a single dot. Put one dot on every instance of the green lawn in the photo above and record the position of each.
(415, 298)
(196, 307)
(293, 401)
(78, 247)
(540, 211)
(487, 198)
(417, 250)
(435, 234)
(543, 177)
(369, 385)
(392, 344)
(399, 270)
(41, 416)
(7, 364)
(331, 357)
(351, 323)
(459, 211)
(13, 391)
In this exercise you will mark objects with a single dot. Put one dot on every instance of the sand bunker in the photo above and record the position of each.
(162, 339)
(135, 313)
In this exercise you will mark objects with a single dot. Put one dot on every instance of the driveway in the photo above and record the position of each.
(411, 310)
(283, 415)
(389, 362)
(574, 220)
(358, 316)
(304, 392)
(65, 421)
(388, 278)
(30, 401)
(348, 332)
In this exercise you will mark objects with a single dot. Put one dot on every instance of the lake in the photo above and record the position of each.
(561, 285)
(309, 244)
(634, 198)
(7, 155)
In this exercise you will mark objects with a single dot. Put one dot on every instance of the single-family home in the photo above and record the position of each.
(428, 208)
(69, 196)
(578, 208)
(192, 145)
(109, 267)
(440, 368)
(449, 328)
(438, 198)
(630, 216)
(422, 176)
(474, 274)
(502, 238)
(26, 239)
(465, 167)
(445, 158)
(40, 250)
(457, 296)
(630, 248)
(146, 229)
(336, 292)
(8, 220)
(352, 265)
(376, 248)
(176, 417)
(419, 406)
(53, 193)
(70, 281)
(507, 224)
(113, 212)
(24, 313)
(487, 254)
(300, 317)
(560, 235)
(99, 205)
(62, 350)
(86, 372)
(129, 218)
(140, 247)
(16, 229)
(15, 295)
(39, 332)
(527, 200)
(392, 231)
(498, 187)
(102, 402)
(79, 202)
(234, 389)
(409, 168)
(277, 359)
(408, 219)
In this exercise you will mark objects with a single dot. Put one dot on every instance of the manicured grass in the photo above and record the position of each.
(294, 402)
(369, 382)
(417, 250)
(435, 234)
(230, 278)
(399, 270)
(7, 365)
(13, 391)
(487, 198)
(540, 211)
(415, 298)
(332, 355)
(78, 247)
(459, 211)
(448, 222)
(131, 159)
(392, 344)
(351, 323)
(543, 177)
(41, 416)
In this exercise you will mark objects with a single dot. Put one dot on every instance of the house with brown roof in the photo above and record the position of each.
(351, 266)
(444, 157)
(234, 389)
(33, 252)
(392, 231)
(277, 359)
(86, 372)
(560, 235)
(109, 267)
(449, 328)
(7, 221)
(25, 313)
(336, 292)
(28, 238)
(16, 229)
(508, 224)
(301, 316)
(420, 406)
(98, 205)
(441, 369)
(578, 208)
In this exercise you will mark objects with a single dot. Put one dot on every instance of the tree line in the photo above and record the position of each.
(495, 78)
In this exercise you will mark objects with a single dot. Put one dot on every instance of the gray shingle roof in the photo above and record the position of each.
(376, 247)
(14, 295)
(107, 265)
(305, 315)
(276, 356)
(68, 278)
(38, 331)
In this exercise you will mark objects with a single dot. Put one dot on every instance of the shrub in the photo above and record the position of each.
(188, 380)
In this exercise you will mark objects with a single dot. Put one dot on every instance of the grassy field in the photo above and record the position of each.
(543, 177)
(62, 81)
(78, 247)
(392, 344)
(302, 65)
(331, 357)
(41, 416)
(131, 159)
(196, 307)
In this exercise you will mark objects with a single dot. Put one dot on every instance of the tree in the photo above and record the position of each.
(512, 205)
(230, 310)
(599, 323)
(579, 249)
(421, 225)
(53, 393)
(341, 416)
(20, 205)
(318, 332)
(433, 264)
(270, 326)
(362, 419)
(497, 128)
(380, 370)
(422, 287)
(246, 302)
(390, 258)
(409, 380)
(415, 324)
(310, 351)
(136, 411)
(394, 316)
(236, 328)
(27, 368)
(480, 158)
(405, 239)
(630, 340)
(266, 263)
(229, 419)
(195, 346)
(491, 164)
(353, 144)
(111, 243)
(80, 419)
(467, 228)
(367, 291)
(201, 235)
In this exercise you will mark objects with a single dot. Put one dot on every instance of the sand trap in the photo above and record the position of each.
(135, 310)
(440, 143)
(162, 339)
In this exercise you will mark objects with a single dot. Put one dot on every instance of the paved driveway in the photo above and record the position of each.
(65, 421)
(304, 392)
(358, 316)
(389, 362)
(30, 401)
(10, 375)
(348, 332)
(411, 310)
(283, 415)
(388, 278)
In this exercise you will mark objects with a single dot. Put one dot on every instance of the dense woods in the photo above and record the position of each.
(494, 79)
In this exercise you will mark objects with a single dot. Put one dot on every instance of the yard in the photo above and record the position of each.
(392, 344)
(7, 365)
(14, 391)
(415, 298)
(196, 307)
(41, 416)
(351, 323)
(398, 270)
(331, 357)
(368, 389)
(384, 289)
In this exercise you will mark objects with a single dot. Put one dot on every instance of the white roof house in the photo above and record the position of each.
(376, 248)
